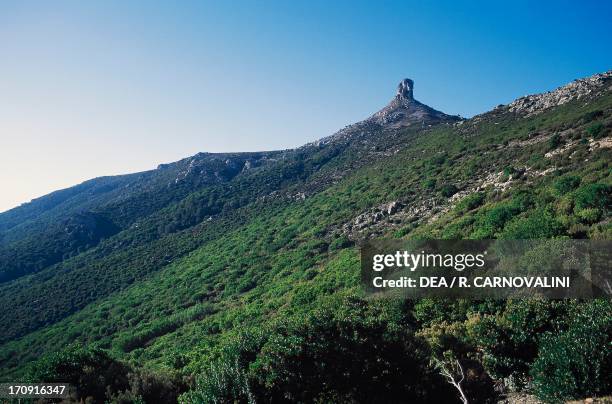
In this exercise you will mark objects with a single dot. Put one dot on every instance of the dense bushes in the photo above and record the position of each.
(90, 371)
(489, 221)
(98, 378)
(593, 196)
(554, 141)
(357, 352)
(595, 129)
(57, 241)
(138, 338)
(541, 223)
(576, 362)
(509, 341)
(470, 202)
(566, 184)
(340, 243)
(561, 348)
(149, 387)
(448, 190)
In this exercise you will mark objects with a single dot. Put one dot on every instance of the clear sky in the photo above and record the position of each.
(109, 87)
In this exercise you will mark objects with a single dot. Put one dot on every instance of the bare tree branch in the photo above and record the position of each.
(452, 371)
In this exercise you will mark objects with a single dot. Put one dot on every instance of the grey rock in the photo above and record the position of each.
(405, 89)
(577, 89)
(403, 110)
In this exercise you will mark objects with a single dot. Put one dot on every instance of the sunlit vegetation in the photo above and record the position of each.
(231, 294)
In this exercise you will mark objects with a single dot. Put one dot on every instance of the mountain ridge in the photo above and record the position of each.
(577, 89)
(109, 197)
(404, 97)
(227, 247)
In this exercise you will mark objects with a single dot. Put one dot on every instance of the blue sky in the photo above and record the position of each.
(102, 88)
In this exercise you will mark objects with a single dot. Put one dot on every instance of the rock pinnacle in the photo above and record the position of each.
(403, 110)
(405, 89)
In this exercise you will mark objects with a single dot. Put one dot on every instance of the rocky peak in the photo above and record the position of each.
(403, 110)
(405, 90)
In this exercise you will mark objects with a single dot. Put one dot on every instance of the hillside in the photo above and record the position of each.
(237, 275)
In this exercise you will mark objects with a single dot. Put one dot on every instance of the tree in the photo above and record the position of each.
(452, 370)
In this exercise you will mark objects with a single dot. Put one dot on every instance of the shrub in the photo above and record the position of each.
(470, 202)
(488, 222)
(329, 357)
(326, 356)
(429, 183)
(430, 311)
(438, 159)
(566, 184)
(539, 224)
(448, 190)
(150, 387)
(340, 243)
(577, 362)
(92, 372)
(554, 141)
(591, 116)
(222, 382)
(595, 130)
(457, 229)
(509, 341)
(162, 326)
(509, 171)
(224, 378)
(592, 196)
(589, 215)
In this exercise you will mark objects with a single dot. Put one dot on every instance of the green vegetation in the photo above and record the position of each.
(247, 288)
(448, 190)
(326, 356)
(576, 361)
(596, 130)
(470, 202)
(96, 377)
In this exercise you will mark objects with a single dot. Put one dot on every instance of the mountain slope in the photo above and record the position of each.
(120, 201)
(172, 288)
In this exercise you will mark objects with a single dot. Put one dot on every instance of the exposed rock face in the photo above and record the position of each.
(215, 167)
(374, 216)
(534, 104)
(405, 89)
(404, 110)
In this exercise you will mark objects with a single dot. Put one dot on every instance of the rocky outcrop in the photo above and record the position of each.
(216, 167)
(577, 89)
(374, 216)
(403, 110)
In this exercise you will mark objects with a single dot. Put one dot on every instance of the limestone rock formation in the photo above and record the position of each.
(403, 110)
(577, 89)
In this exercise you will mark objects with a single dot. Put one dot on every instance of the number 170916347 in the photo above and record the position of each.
(34, 390)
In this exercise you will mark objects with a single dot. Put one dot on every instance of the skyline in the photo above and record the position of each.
(104, 89)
